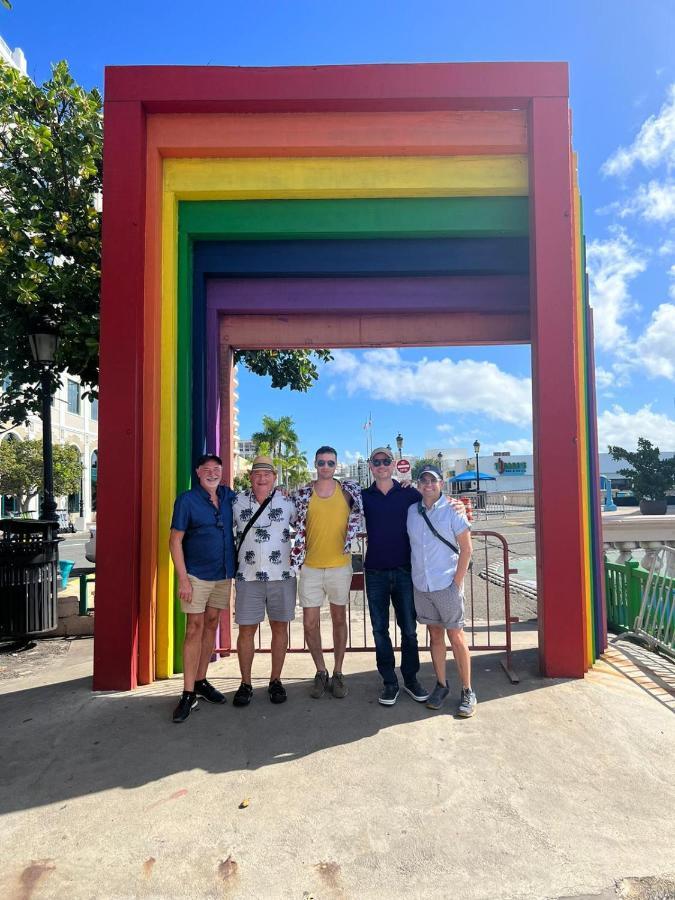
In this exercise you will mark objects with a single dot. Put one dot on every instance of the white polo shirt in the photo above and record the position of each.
(433, 563)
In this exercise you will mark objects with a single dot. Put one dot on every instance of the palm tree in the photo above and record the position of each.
(279, 434)
(297, 471)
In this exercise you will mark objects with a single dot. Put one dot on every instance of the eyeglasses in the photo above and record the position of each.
(326, 462)
(381, 462)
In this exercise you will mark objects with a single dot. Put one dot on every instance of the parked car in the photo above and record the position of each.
(90, 546)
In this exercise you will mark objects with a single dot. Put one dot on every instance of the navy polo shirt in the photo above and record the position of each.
(386, 523)
(208, 544)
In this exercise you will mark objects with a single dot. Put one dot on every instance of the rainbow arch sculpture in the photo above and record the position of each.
(448, 188)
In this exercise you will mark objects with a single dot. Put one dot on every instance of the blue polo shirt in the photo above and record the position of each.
(208, 544)
(386, 518)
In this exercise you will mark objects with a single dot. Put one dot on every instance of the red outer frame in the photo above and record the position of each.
(131, 93)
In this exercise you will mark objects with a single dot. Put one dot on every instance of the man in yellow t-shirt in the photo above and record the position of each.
(327, 569)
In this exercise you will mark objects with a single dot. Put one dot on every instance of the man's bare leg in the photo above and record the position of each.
(246, 650)
(192, 649)
(461, 654)
(279, 647)
(438, 651)
(311, 619)
(211, 617)
(338, 615)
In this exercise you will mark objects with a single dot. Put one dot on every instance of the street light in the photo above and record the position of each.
(399, 445)
(476, 450)
(44, 342)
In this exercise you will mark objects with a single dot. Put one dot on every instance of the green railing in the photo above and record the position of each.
(624, 584)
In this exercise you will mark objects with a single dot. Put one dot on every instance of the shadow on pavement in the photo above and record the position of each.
(62, 741)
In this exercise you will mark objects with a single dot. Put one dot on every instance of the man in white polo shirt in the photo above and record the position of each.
(440, 544)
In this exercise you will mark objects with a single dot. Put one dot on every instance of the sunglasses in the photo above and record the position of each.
(326, 462)
(381, 462)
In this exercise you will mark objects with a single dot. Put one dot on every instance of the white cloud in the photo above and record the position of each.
(654, 202)
(667, 248)
(618, 426)
(386, 356)
(603, 378)
(446, 429)
(442, 385)
(519, 447)
(655, 348)
(612, 265)
(654, 144)
(351, 456)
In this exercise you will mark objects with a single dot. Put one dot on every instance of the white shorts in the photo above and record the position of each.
(317, 585)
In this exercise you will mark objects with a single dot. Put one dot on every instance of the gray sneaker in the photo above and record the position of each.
(438, 695)
(338, 686)
(320, 685)
(467, 703)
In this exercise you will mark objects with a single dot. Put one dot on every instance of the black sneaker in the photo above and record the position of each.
(186, 704)
(244, 695)
(389, 695)
(206, 690)
(277, 691)
(416, 691)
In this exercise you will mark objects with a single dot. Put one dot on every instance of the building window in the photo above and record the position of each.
(73, 397)
(94, 410)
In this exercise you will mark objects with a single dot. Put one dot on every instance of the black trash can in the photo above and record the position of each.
(29, 577)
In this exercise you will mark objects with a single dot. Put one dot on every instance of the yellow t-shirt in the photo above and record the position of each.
(327, 519)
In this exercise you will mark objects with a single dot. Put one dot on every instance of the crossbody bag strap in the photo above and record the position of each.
(433, 530)
(251, 522)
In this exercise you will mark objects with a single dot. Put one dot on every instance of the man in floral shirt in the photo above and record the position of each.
(264, 578)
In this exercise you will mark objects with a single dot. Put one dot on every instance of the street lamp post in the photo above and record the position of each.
(476, 450)
(399, 445)
(43, 344)
(439, 457)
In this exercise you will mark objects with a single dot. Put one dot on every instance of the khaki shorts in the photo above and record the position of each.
(215, 594)
(445, 607)
(317, 585)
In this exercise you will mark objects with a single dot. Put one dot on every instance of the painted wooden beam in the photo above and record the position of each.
(434, 256)
(405, 133)
(218, 89)
(560, 576)
(120, 483)
(300, 178)
(331, 219)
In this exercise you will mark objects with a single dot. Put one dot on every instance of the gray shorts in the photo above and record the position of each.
(253, 596)
(445, 607)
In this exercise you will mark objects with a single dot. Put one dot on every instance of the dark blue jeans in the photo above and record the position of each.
(383, 585)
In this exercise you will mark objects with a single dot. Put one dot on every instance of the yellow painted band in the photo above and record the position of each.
(310, 178)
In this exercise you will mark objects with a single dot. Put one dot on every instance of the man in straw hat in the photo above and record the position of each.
(264, 578)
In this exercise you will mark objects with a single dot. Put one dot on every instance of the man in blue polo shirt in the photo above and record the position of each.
(202, 549)
(387, 571)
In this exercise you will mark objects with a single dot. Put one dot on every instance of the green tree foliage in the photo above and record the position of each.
(279, 440)
(650, 477)
(278, 434)
(422, 464)
(50, 241)
(21, 470)
(50, 177)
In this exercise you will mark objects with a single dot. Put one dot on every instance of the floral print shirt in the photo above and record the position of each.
(302, 496)
(265, 553)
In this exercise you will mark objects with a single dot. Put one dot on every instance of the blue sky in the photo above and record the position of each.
(622, 67)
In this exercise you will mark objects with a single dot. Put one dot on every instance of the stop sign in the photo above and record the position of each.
(403, 466)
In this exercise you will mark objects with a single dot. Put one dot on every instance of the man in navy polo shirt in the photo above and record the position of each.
(387, 571)
(202, 549)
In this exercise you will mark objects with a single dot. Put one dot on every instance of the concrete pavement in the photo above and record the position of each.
(556, 788)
